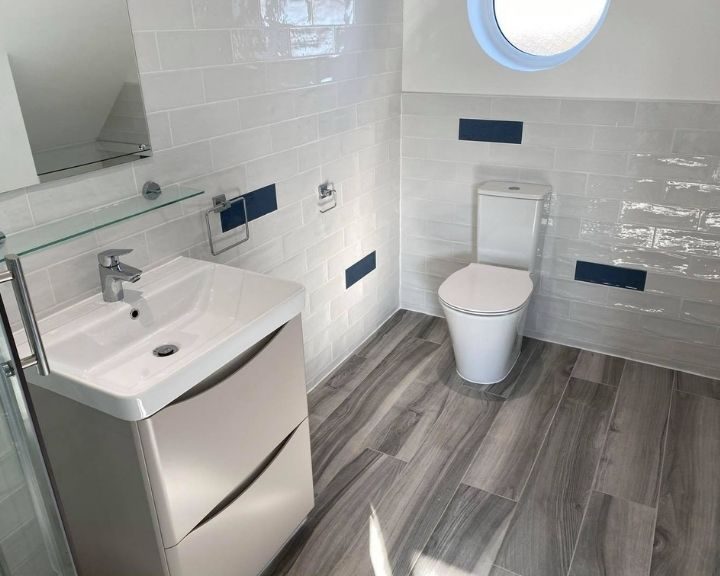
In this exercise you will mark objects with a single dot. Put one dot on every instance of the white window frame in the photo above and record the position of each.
(487, 32)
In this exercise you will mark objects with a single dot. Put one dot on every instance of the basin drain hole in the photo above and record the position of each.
(165, 350)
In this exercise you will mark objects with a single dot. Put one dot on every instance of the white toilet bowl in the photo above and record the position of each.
(485, 307)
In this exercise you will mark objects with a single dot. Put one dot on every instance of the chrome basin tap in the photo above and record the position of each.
(113, 273)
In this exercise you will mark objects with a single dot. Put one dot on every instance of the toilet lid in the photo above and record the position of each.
(485, 289)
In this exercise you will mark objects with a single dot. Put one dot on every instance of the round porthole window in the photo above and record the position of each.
(533, 35)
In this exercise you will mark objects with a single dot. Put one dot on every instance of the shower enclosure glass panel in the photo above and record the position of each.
(32, 539)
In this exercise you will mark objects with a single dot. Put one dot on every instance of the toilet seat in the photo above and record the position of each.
(486, 290)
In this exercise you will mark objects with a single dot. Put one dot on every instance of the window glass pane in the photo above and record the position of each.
(547, 27)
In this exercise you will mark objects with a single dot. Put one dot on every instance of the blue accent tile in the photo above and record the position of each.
(259, 203)
(611, 275)
(503, 131)
(359, 270)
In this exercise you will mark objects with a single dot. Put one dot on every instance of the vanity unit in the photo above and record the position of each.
(175, 423)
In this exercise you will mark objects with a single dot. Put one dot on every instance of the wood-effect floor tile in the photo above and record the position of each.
(506, 457)
(693, 384)
(344, 434)
(398, 328)
(390, 398)
(687, 535)
(339, 518)
(433, 329)
(404, 428)
(468, 536)
(506, 387)
(325, 398)
(411, 509)
(544, 530)
(632, 458)
(615, 539)
(595, 367)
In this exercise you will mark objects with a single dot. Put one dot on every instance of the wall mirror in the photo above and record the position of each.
(70, 97)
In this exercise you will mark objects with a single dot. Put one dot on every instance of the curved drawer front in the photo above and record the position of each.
(243, 538)
(202, 448)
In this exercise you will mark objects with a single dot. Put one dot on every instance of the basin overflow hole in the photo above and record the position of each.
(134, 313)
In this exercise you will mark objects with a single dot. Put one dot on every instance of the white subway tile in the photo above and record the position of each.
(598, 112)
(166, 90)
(658, 215)
(201, 122)
(241, 147)
(160, 14)
(687, 242)
(633, 140)
(526, 109)
(226, 13)
(194, 49)
(597, 162)
(670, 115)
(670, 166)
(236, 81)
(557, 135)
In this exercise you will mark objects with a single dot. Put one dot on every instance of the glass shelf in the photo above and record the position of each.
(34, 239)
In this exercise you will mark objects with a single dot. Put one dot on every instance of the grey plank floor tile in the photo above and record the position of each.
(632, 459)
(616, 538)
(468, 536)
(404, 428)
(506, 456)
(324, 399)
(434, 329)
(687, 535)
(329, 394)
(508, 385)
(707, 387)
(345, 433)
(595, 367)
(544, 530)
(393, 332)
(411, 509)
(339, 518)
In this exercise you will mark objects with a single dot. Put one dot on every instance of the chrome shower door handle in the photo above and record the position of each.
(22, 294)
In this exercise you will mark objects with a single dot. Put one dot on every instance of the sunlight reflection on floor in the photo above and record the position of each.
(378, 551)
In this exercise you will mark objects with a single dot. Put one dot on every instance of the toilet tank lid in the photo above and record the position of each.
(507, 189)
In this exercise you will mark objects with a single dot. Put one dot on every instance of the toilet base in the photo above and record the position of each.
(468, 380)
(486, 347)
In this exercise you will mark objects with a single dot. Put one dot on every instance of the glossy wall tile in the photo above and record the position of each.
(243, 95)
(636, 185)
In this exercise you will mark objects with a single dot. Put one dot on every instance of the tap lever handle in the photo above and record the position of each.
(110, 258)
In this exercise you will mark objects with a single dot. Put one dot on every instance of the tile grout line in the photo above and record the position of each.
(547, 430)
(695, 395)
(662, 470)
(447, 505)
(505, 399)
(597, 466)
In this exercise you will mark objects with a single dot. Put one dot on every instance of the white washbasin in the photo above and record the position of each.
(102, 357)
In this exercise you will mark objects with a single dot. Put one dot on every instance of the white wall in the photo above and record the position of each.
(647, 49)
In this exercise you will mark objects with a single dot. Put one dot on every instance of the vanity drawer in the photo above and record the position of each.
(201, 448)
(245, 536)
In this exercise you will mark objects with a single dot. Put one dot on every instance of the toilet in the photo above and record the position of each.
(486, 303)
